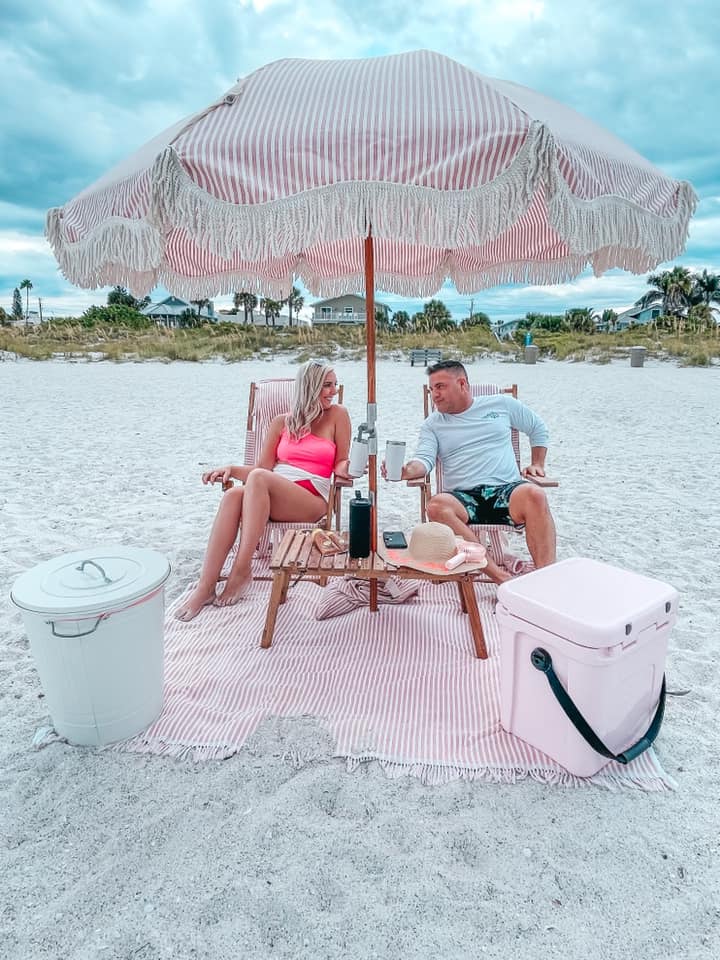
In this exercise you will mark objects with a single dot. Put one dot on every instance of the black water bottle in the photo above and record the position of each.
(359, 545)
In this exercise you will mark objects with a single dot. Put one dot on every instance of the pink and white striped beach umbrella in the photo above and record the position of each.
(450, 173)
(458, 176)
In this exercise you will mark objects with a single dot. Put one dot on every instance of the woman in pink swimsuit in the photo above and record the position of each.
(290, 481)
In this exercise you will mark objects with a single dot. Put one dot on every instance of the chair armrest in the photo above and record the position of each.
(543, 481)
(342, 482)
(418, 482)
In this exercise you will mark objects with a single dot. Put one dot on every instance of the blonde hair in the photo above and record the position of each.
(306, 405)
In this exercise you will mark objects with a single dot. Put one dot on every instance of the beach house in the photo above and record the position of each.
(349, 308)
(636, 317)
(171, 311)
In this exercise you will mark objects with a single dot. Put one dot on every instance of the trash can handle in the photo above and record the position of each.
(71, 636)
(82, 566)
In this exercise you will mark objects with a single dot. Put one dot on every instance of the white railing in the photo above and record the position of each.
(339, 316)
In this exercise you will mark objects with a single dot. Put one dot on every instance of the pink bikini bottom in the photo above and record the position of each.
(307, 485)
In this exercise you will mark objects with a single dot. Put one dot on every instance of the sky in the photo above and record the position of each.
(86, 83)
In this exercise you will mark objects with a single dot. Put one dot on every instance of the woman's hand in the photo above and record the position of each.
(219, 475)
(341, 470)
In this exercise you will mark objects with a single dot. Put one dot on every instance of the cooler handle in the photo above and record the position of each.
(542, 661)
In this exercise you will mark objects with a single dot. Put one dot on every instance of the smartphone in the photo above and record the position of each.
(394, 539)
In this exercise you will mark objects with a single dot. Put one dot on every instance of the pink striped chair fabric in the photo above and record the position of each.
(493, 535)
(269, 399)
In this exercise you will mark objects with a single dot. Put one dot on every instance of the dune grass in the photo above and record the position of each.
(234, 342)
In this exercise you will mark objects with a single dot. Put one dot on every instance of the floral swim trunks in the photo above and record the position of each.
(486, 504)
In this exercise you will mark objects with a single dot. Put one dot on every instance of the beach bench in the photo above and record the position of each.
(424, 356)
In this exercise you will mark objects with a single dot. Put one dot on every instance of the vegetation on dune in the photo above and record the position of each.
(137, 339)
(684, 326)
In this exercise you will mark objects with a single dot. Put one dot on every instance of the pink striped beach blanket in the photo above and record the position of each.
(401, 687)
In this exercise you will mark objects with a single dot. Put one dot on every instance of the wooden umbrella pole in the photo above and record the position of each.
(372, 460)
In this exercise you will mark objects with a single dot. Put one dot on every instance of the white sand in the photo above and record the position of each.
(109, 855)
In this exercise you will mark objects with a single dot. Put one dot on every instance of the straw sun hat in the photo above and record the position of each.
(431, 544)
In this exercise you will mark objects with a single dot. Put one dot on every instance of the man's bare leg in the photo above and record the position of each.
(445, 508)
(528, 505)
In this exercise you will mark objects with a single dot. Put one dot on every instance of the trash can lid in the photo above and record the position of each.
(93, 580)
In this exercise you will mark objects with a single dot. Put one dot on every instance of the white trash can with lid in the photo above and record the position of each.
(94, 619)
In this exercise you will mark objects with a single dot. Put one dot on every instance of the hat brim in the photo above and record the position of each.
(401, 557)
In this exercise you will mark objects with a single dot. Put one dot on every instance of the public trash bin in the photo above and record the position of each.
(531, 353)
(637, 356)
(94, 619)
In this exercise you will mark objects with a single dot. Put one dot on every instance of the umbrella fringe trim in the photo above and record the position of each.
(558, 271)
(129, 253)
(595, 225)
(119, 252)
(347, 211)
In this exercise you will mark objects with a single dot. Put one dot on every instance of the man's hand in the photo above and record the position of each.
(534, 470)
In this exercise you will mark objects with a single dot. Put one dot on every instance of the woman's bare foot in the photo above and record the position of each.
(198, 599)
(236, 587)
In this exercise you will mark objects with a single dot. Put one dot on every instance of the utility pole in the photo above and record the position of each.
(40, 308)
(472, 303)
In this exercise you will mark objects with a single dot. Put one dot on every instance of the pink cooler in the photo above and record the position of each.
(605, 633)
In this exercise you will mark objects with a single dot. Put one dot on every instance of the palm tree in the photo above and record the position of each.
(295, 302)
(272, 309)
(248, 301)
(437, 316)
(26, 285)
(706, 289)
(700, 318)
(401, 320)
(673, 290)
(581, 320)
(200, 304)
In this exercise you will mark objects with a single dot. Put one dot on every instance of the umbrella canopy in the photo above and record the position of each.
(397, 171)
(457, 174)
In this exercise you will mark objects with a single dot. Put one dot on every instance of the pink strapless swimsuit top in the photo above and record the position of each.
(311, 453)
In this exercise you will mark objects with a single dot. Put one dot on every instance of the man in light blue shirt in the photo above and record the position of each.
(471, 437)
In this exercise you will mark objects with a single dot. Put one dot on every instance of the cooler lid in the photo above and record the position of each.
(91, 581)
(587, 602)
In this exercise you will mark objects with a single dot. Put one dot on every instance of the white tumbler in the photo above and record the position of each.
(394, 459)
(358, 458)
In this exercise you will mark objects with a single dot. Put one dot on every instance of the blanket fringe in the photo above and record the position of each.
(429, 774)
(440, 774)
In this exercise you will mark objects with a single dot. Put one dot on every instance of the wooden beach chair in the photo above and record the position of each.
(493, 536)
(268, 399)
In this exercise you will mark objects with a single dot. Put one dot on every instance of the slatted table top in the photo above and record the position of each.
(296, 551)
(298, 555)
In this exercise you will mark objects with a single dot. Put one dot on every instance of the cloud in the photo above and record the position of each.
(86, 83)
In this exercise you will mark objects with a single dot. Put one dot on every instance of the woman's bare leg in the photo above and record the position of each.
(222, 537)
(267, 496)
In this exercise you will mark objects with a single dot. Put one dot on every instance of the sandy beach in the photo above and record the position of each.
(279, 851)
